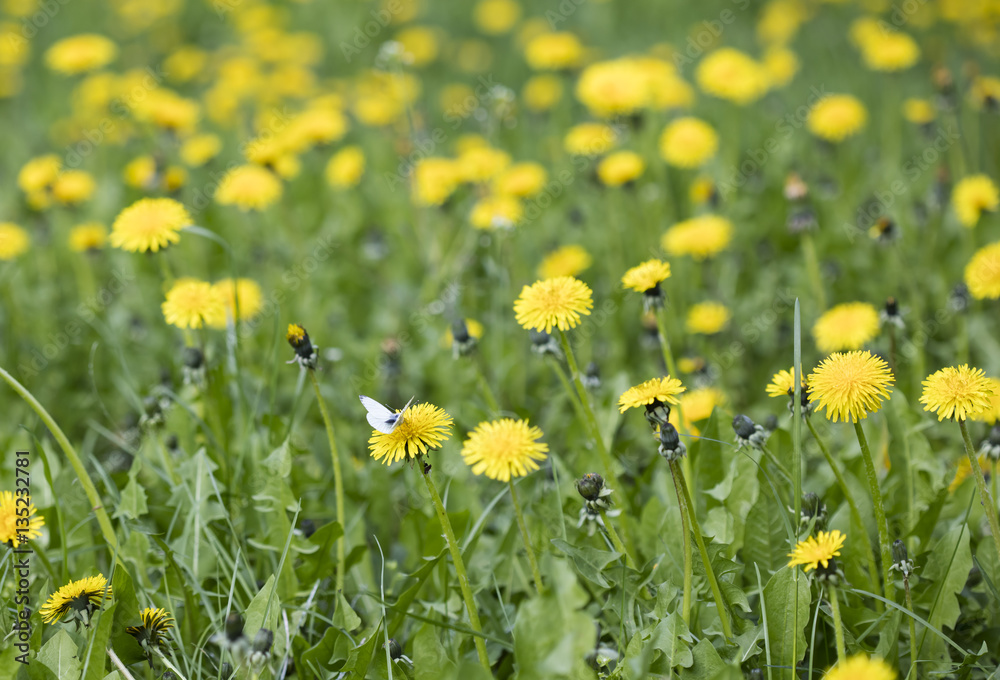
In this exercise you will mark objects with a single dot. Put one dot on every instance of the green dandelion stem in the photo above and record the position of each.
(984, 493)
(103, 520)
(855, 513)
(119, 665)
(913, 629)
(727, 630)
(813, 269)
(484, 386)
(688, 554)
(885, 547)
(338, 481)
(463, 578)
(532, 560)
(668, 358)
(568, 387)
(838, 624)
(777, 463)
(797, 415)
(616, 541)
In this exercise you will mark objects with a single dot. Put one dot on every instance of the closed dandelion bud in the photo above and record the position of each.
(813, 511)
(671, 446)
(748, 433)
(305, 352)
(234, 627)
(991, 445)
(462, 343)
(802, 219)
(743, 426)
(901, 561)
(771, 424)
(307, 527)
(262, 641)
(590, 486)
(891, 313)
(591, 378)
(172, 442)
(958, 300)
(194, 359)
(544, 344)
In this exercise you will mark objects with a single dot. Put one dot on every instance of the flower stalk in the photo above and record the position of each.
(984, 493)
(338, 481)
(536, 574)
(885, 547)
(838, 624)
(688, 554)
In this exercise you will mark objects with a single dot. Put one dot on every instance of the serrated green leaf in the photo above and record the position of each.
(590, 562)
(787, 605)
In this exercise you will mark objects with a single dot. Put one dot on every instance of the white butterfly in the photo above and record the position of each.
(380, 417)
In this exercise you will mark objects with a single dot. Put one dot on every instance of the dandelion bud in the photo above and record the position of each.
(671, 446)
(395, 649)
(901, 561)
(262, 641)
(462, 342)
(590, 486)
(226, 670)
(771, 424)
(234, 627)
(305, 353)
(958, 300)
(991, 445)
(813, 511)
(543, 343)
(172, 442)
(592, 376)
(743, 426)
(748, 433)
(193, 358)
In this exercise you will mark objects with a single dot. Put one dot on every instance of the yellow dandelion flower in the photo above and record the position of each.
(982, 274)
(702, 190)
(991, 414)
(149, 224)
(345, 168)
(521, 179)
(663, 390)
(249, 187)
(434, 180)
(152, 632)
(700, 237)
(890, 52)
(80, 53)
(481, 164)
(79, 598)
(542, 92)
(963, 469)
(242, 293)
(730, 74)
(73, 186)
(193, 304)
(565, 261)
(39, 173)
(589, 139)
(850, 385)
(10, 532)
(780, 65)
(613, 88)
(984, 91)
(707, 318)
(783, 383)
(817, 550)
(973, 196)
(496, 17)
(646, 276)
(424, 427)
(688, 142)
(14, 241)
(420, 44)
(200, 149)
(846, 326)
(496, 212)
(87, 237)
(919, 111)
(620, 168)
(860, 667)
(554, 51)
(837, 117)
(473, 327)
(168, 110)
(140, 172)
(958, 392)
(504, 448)
(556, 302)
(699, 403)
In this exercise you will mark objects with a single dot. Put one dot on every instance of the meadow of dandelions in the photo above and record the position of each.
(675, 327)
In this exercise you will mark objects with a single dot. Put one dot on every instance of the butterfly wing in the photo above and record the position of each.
(379, 417)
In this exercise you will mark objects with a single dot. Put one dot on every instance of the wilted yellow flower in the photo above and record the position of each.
(80, 53)
(565, 261)
(688, 142)
(730, 74)
(700, 237)
(846, 326)
(620, 168)
(972, 196)
(837, 117)
(982, 274)
(345, 168)
(554, 51)
(589, 139)
(707, 318)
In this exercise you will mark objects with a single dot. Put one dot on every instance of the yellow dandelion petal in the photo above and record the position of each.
(663, 390)
(700, 237)
(504, 448)
(850, 385)
(149, 225)
(817, 550)
(845, 327)
(982, 274)
(707, 318)
(14, 241)
(87, 594)
(860, 667)
(193, 304)
(837, 117)
(646, 276)
(10, 532)
(783, 383)
(249, 187)
(958, 392)
(424, 427)
(973, 196)
(991, 414)
(556, 302)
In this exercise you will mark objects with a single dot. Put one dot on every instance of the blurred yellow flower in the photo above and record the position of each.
(244, 293)
(780, 65)
(434, 180)
(200, 149)
(249, 187)
(982, 274)
(481, 164)
(345, 168)
(620, 168)
(646, 276)
(140, 173)
(589, 139)
(919, 111)
(890, 51)
(554, 51)
(613, 88)
(39, 173)
(972, 196)
(149, 225)
(500, 211)
(80, 53)
(837, 117)
(87, 237)
(700, 237)
(688, 142)
(420, 43)
(193, 304)
(521, 179)
(568, 260)
(707, 318)
(542, 92)
(73, 186)
(730, 74)
(14, 241)
(991, 414)
(847, 326)
(496, 17)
